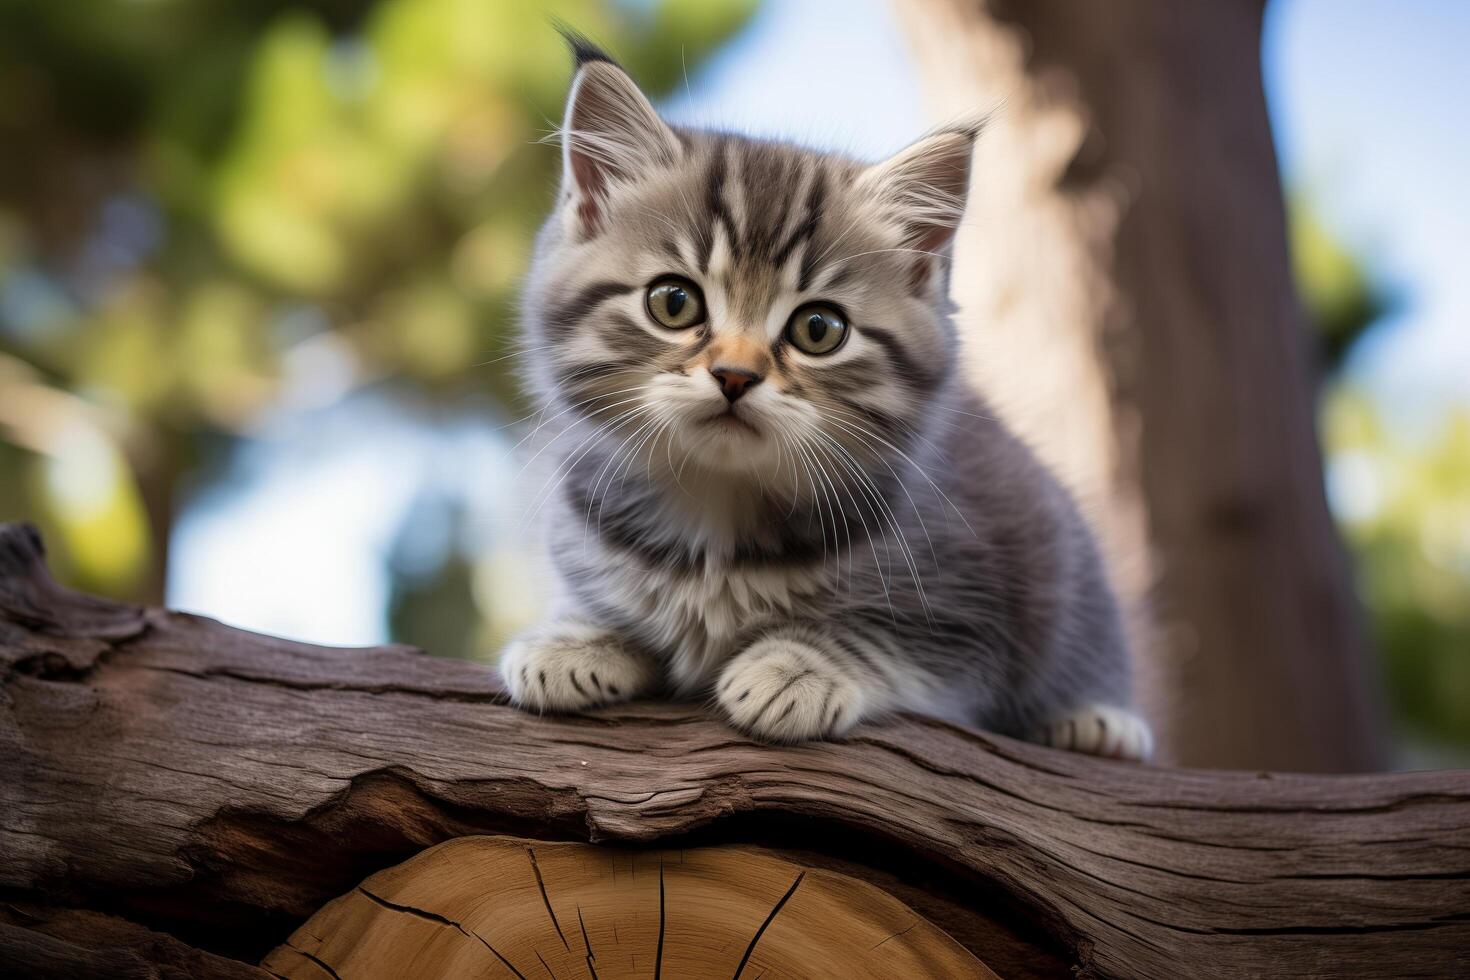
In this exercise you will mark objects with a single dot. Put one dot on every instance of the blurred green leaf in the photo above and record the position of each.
(1405, 506)
(1341, 298)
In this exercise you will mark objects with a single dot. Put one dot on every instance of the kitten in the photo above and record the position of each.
(771, 484)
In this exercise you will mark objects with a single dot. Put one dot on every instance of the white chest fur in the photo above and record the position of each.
(699, 613)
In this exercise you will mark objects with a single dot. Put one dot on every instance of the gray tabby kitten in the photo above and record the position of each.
(771, 483)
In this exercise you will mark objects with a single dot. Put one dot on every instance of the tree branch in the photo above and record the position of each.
(219, 786)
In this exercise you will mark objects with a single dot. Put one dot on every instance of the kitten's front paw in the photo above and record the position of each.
(570, 666)
(1100, 729)
(782, 690)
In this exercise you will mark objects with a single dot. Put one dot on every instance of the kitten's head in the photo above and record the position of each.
(751, 304)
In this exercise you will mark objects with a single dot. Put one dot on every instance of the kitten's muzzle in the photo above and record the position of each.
(735, 382)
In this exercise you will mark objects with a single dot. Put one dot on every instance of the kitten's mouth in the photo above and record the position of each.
(730, 422)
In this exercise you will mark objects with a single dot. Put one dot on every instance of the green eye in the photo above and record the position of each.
(816, 329)
(675, 303)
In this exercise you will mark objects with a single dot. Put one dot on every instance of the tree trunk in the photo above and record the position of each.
(1125, 289)
(178, 797)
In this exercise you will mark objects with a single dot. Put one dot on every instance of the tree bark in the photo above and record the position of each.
(186, 793)
(1126, 296)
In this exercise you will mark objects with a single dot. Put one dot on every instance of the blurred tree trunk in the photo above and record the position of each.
(1124, 283)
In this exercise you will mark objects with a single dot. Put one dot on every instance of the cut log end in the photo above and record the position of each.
(506, 907)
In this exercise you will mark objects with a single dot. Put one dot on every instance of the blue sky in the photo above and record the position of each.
(1367, 102)
(1369, 105)
(850, 89)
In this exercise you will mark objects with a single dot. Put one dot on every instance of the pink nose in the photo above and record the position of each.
(734, 381)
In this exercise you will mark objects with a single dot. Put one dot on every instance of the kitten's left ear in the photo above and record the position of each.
(611, 133)
(922, 187)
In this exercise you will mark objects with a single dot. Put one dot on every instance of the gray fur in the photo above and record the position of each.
(882, 542)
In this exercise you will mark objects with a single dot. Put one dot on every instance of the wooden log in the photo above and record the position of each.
(502, 907)
(219, 787)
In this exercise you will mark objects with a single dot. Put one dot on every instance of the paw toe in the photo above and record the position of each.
(568, 671)
(1099, 729)
(780, 693)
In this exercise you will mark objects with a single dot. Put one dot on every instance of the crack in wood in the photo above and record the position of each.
(531, 853)
(319, 962)
(227, 673)
(658, 963)
(441, 920)
(766, 924)
(1449, 920)
(1333, 806)
(587, 943)
(895, 935)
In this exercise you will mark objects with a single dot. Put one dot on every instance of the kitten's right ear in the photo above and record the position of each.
(610, 133)
(922, 190)
(923, 186)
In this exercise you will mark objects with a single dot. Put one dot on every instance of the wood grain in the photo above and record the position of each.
(509, 907)
(221, 786)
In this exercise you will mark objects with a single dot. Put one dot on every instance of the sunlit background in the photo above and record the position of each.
(258, 264)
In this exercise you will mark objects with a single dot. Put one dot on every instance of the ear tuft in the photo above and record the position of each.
(923, 186)
(611, 133)
(583, 48)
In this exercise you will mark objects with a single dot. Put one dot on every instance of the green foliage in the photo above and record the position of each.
(214, 195)
(1406, 508)
(1403, 503)
(1342, 300)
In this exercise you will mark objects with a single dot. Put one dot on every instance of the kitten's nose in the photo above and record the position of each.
(734, 381)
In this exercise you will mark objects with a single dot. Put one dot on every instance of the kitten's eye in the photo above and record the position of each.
(816, 329)
(675, 303)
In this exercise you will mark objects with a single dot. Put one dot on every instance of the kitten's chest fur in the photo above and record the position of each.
(692, 580)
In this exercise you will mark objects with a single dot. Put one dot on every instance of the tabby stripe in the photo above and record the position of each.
(842, 274)
(714, 196)
(619, 529)
(856, 653)
(775, 182)
(899, 356)
(815, 199)
(622, 334)
(886, 421)
(589, 297)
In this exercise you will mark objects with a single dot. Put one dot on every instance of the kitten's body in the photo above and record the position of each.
(1003, 632)
(852, 532)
